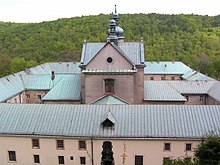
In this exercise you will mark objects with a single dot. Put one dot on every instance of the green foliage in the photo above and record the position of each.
(193, 39)
(181, 161)
(208, 153)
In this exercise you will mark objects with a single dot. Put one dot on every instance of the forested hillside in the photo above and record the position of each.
(193, 39)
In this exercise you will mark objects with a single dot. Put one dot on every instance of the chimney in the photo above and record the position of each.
(52, 75)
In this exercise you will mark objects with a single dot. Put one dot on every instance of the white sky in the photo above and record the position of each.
(47, 10)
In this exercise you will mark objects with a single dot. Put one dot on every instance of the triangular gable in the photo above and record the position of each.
(115, 47)
(109, 99)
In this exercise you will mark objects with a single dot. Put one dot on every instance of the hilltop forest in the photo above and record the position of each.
(192, 39)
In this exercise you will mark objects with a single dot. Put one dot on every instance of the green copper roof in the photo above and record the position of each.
(166, 67)
(68, 88)
(41, 82)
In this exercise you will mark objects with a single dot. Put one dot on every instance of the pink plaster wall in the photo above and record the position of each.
(94, 87)
(157, 77)
(195, 100)
(100, 60)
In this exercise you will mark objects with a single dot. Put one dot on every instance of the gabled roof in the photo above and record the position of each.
(133, 51)
(133, 121)
(173, 90)
(57, 67)
(166, 67)
(39, 78)
(214, 91)
(161, 91)
(191, 87)
(68, 88)
(41, 82)
(11, 85)
(109, 99)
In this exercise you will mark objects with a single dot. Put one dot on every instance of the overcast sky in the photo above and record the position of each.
(47, 10)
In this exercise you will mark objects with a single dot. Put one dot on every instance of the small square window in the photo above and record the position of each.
(172, 78)
(28, 96)
(36, 159)
(35, 143)
(60, 144)
(61, 159)
(82, 160)
(162, 78)
(138, 160)
(71, 157)
(12, 156)
(188, 146)
(39, 97)
(201, 98)
(166, 146)
(151, 78)
(82, 144)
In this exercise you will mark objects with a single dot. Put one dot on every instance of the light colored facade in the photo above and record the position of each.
(152, 150)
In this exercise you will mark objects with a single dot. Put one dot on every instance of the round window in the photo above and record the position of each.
(109, 60)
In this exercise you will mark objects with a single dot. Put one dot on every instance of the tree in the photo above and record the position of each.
(181, 161)
(208, 152)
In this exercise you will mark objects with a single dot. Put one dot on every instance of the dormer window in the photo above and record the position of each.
(109, 85)
(107, 123)
(108, 120)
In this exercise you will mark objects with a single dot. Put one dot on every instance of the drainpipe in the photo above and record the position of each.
(92, 150)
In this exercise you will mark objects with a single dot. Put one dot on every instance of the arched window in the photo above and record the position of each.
(109, 85)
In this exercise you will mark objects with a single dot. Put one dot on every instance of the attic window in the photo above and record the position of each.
(109, 60)
(107, 123)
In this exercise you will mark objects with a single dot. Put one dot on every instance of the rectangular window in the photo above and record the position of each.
(201, 98)
(28, 96)
(162, 78)
(172, 78)
(12, 156)
(109, 85)
(60, 144)
(166, 146)
(35, 143)
(82, 144)
(138, 160)
(39, 97)
(151, 78)
(61, 159)
(82, 160)
(36, 159)
(188, 146)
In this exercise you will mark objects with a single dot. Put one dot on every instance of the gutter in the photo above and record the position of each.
(92, 152)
